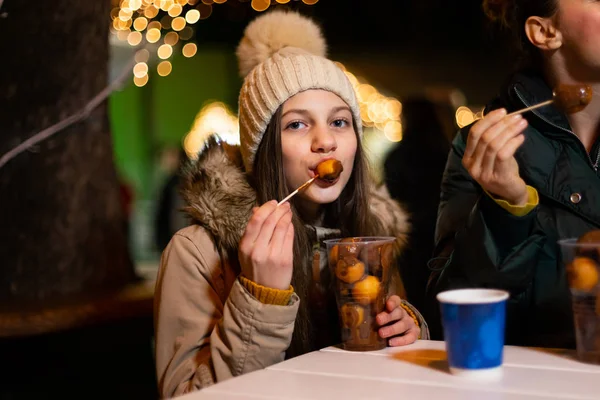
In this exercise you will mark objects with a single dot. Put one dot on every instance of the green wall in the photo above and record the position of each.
(148, 119)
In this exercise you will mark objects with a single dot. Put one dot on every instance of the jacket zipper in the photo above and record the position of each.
(592, 164)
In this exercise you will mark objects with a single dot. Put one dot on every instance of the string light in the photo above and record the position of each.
(153, 35)
(137, 22)
(140, 69)
(140, 23)
(151, 12)
(192, 16)
(154, 25)
(135, 4)
(165, 51)
(175, 10)
(213, 117)
(260, 5)
(376, 110)
(164, 68)
(134, 38)
(140, 81)
(178, 24)
(171, 38)
(142, 55)
(189, 50)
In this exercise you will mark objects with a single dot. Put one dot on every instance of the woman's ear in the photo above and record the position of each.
(543, 33)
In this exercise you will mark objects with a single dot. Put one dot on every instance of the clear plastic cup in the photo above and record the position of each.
(360, 269)
(582, 264)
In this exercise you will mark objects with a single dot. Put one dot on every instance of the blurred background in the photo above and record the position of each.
(186, 82)
(121, 93)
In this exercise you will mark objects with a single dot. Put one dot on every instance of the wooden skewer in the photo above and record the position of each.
(308, 182)
(542, 104)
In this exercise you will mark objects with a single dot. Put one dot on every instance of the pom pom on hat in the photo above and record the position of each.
(280, 55)
(275, 30)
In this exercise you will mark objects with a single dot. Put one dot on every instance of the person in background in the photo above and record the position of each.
(245, 286)
(413, 172)
(169, 217)
(514, 185)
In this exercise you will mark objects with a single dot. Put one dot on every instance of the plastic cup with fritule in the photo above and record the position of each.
(581, 258)
(360, 269)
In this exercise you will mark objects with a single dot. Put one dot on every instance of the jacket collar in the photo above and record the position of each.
(217, 192)
(526, 88)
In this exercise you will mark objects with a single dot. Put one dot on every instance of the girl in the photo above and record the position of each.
(238, 290)
(515, 185)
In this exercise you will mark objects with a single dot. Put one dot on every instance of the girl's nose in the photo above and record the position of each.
(323, 141)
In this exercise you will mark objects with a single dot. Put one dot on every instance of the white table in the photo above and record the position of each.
(418, 371)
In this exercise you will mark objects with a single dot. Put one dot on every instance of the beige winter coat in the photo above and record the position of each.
(208, 326)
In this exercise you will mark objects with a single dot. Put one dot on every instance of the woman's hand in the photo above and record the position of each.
(489, 155)
(396, 325)
(266, 248)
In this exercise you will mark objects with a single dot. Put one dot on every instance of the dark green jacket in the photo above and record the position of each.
(479, 244)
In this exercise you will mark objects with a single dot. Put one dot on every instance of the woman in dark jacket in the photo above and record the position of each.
(513, 186)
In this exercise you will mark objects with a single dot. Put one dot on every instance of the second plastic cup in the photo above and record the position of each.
(473, 321)
(582, 264)
(360, 268)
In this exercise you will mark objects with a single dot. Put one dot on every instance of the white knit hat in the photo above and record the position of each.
(280, 55)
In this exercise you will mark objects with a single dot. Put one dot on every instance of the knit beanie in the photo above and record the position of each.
(282, 54)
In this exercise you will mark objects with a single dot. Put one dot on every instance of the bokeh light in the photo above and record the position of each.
(164, 68)
(260, 5)
(140, 69)
(153, 35)
(214, 117)
(192, 16)
(189, 50)
(164, 51)
(139, 22)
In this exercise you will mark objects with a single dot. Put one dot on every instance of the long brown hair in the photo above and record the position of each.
(511, 15)
(349, 213)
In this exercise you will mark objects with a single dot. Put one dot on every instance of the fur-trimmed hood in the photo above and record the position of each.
(219, 197)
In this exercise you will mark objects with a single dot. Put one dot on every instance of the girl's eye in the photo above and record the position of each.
(295, 125)
(340, 123)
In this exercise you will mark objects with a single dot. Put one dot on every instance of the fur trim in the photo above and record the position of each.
(393, 217)
(273, 31)
(217, 192)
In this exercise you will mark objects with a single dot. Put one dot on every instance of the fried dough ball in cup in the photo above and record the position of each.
(582, 273)
(367, 290)
(349, 269)
(352, 315)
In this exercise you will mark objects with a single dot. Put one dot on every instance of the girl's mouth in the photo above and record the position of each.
(326, 182)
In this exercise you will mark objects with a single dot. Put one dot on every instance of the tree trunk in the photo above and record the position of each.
(62, 226)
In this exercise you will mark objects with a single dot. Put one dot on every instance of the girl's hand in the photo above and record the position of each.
(266, 248)
(489, 155)
(396, 325)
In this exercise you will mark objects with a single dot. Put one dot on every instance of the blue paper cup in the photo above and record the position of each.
(474, 321)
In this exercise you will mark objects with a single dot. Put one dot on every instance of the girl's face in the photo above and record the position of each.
(579, 24)
(316, 125)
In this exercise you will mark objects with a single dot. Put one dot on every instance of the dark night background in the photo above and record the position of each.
(401, 46)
